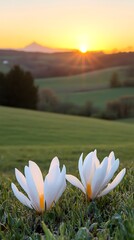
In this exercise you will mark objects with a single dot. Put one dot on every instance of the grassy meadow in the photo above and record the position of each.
(92, 86)
(40, 136)
(99, 98)
(91, 80)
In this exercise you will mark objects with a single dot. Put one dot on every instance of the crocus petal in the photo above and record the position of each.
(34, 196)
(97, 162)
(111, 160)
(61, 190)
(87, 162)
(54, 162)
(80, 167)
(95, 165)
(114, 183)
(21, 180)
(75, 181)
(37, 177)
(89, 167)
(39, 183)
(20, 196)
(111, 173)
(54, 170)
(48, 189)
(99, 177)
(53, 184)
(61, 184)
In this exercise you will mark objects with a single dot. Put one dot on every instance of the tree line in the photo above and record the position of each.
(17, 89)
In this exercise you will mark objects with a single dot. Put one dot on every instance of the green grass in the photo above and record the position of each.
(96, 79)
(93, 86)
(40, 136)
(127, 120)
(99, 98)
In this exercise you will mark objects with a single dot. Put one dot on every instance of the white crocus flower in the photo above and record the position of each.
(41, 195)
(95, 176)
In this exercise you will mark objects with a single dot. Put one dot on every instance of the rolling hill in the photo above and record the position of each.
(93, 86)
(99, 98)
(98, 79)
(41, 136)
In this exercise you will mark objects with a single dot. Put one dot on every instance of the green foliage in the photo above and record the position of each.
(2, 89)
(130, 71)
(126, 229)
(114, 81)
(47, 100)
(129, 82)
(49, 235)
(82, 234)
(18, 89)
(87, 109)
(121, 108)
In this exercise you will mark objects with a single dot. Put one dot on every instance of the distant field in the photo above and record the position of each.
(93, 86)
(96, 79)
(99, 98)
(40, 136)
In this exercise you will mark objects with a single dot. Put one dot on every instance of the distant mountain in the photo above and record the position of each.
(35, 47)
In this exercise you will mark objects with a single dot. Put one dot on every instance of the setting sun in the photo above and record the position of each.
(83, 48)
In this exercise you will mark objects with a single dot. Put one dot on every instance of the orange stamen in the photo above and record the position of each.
(89, 191)
(42, 202)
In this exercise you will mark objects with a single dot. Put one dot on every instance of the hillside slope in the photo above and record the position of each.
(23, 127)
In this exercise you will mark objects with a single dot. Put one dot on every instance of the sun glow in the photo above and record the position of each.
(83, 48)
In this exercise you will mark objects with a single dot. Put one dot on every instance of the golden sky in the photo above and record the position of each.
(96, 24)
